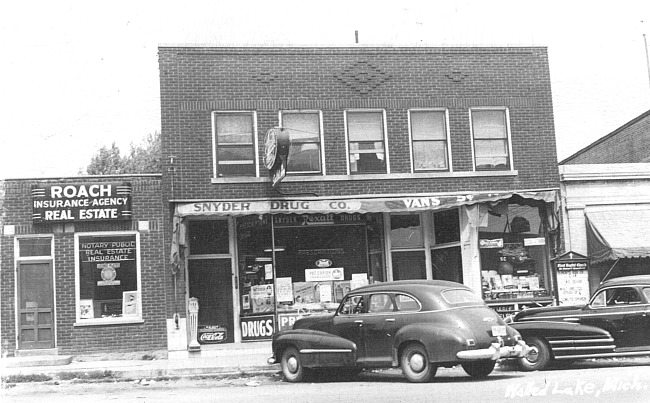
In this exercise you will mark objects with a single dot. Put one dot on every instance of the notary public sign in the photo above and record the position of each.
(81, 202)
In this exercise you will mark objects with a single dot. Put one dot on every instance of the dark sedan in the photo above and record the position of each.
(417, 325)
(615, 323)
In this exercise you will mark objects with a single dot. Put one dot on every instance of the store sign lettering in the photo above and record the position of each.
(257, 327)
(81, 202)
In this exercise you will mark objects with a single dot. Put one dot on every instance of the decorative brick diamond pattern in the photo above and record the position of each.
(362, 77)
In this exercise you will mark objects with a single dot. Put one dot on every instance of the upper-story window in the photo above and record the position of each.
(429, 139)
(235, 144)
(491, 139)
(305, 156)
(366, 142)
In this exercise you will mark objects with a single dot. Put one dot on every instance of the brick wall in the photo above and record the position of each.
(155, 277)
(629, 143)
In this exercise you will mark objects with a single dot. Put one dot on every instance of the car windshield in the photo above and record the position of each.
(460, 296)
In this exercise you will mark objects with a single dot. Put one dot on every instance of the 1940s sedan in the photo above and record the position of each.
(615, 323)
(418, 325)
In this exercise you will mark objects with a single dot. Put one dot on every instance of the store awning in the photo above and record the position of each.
(348, 205)
(618, 233)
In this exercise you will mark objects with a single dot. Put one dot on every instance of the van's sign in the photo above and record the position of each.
(81, 202)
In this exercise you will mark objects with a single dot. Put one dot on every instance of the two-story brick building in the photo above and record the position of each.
(400, 163)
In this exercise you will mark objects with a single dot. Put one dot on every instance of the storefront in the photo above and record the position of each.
(255, 266)
(81, 264)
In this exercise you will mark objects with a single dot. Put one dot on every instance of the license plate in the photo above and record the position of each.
(499, 331)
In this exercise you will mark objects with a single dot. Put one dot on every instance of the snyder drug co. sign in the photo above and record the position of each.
(81, 202)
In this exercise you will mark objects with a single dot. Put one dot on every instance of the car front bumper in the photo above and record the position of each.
(495, 352)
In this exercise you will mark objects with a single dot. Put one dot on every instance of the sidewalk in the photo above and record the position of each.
(211, 360)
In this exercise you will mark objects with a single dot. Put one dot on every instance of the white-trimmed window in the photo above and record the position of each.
(108, 277)
(305, 153)
(234, 142)
(491, 139)
(429, 140)
(366, 136)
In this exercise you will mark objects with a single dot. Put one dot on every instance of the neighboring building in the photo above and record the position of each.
(82, 266)
(606, 193)
(404, 163)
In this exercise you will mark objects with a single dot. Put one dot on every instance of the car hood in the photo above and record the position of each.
(548, 313)
(322, 322)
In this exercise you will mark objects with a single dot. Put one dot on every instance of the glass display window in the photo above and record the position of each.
(514, 252)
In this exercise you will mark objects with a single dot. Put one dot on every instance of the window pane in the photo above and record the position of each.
(491, 154)
(447, 264)
(406, 303)
(302, 126)
(430, 155)
(209, 237)
(446, 227)
(235, 154)
(304, 157)
(237, 170)
(363, 161)
(409, 265)
(489, 124)
(365, 126)
(406, 231)
(380, 303)
(428, 125)
(108, 276)
(35, 247)
(235, 128)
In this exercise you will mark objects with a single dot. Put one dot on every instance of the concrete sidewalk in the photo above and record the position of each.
(211, 360)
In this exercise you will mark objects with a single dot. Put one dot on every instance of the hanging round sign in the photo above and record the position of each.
(271, 148)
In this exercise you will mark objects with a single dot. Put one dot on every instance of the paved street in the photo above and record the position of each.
(585, 381)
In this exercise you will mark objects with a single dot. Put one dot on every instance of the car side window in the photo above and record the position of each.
(353, 305)
(406, 303)
(380, 303)
(646, 293)
(625, 296)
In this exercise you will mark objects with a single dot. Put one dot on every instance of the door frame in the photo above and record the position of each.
(18, 260)
(232, 253)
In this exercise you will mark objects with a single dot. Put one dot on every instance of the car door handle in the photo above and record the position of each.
(359, 321)
(571, 319)
(390, 320)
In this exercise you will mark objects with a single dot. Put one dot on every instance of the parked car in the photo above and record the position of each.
(615, 323)
(418, 325)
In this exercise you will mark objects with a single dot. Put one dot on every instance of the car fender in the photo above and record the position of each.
(546, 329)
(317, 348)
(442, 343)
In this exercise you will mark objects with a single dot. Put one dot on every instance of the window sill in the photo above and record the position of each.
(108, 322)
(333, 178)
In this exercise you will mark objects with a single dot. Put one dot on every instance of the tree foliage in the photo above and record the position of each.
(142, 159)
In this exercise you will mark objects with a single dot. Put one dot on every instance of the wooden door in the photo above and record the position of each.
(36, 306)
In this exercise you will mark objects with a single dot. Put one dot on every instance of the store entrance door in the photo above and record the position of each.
(35, 306)
(210, 281)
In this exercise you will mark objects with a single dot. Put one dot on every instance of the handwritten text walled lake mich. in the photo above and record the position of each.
(579, 388)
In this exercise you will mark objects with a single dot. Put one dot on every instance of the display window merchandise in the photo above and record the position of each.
(108, 277)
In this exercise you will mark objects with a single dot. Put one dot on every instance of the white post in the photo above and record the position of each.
(193, 324)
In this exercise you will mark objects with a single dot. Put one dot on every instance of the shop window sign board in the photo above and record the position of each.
(572, 274)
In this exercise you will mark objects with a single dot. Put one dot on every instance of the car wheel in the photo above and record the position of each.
(479, 369)
(415, 364)
(291, 364)
(538, 355)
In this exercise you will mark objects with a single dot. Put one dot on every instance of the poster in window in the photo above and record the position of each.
(108, 270)
(130, 303)
(86, 309)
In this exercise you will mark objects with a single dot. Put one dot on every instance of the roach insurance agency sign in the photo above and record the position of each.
(81, 202)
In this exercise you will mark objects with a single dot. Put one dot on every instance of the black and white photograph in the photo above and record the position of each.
(415, 201)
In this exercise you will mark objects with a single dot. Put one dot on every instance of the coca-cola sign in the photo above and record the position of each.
(212, 334)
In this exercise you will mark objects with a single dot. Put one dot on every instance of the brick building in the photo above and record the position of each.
(606, 188)
(295, 174)
(82, 266)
